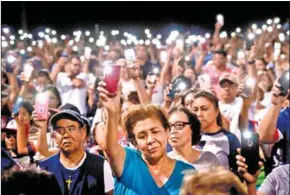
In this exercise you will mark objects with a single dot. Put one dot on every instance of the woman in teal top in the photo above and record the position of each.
(147, 170)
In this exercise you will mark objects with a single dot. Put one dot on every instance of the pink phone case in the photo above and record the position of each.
(112, 79)
(41, 106)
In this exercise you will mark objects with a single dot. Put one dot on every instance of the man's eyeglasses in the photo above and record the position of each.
(179, 125)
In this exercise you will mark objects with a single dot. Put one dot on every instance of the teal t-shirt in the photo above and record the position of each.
(137, 180)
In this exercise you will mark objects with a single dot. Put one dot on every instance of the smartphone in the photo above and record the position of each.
(220, 19)
(41, 106)
(130, 57)
(10, 63)
(284, 82)
(277, 50)
(112, 77)
(17, 105)
(248, 87)
(87, 52)
(204, 46)
(171, 94)
(27, 69)
(180, 44)
(250, 150)
(163, 56)
(204, 81)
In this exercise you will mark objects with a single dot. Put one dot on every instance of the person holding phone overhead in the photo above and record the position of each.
(148, 130)
(72, 85)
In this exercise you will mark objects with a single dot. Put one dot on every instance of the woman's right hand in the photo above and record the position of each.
(112, 104)
(40, 124)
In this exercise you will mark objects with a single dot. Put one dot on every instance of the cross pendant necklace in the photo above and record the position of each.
(69, 181)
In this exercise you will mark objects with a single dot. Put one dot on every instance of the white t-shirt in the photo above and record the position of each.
(231, 112)
(70, 94)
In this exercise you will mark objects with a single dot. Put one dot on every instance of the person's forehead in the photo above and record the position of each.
(178, 116)
(202, 101)
(146, 125)
(66, 122)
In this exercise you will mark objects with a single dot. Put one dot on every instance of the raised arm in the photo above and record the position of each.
(268, 125)
(134, 73)
(22, 138)
(114, 151)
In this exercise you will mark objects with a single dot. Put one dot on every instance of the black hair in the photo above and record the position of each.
(190, 91)
(28, 106)
(221, 52)
(55, 91)
(29, 182)
(214, 100)
(195, 125)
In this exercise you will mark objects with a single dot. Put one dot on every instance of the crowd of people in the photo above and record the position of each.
(197, 114)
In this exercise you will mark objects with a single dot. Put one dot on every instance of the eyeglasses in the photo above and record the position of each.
(63, 130)
(179, 125)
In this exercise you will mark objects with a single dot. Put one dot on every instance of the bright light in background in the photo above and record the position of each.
(12, 42)
(269, 21)
(251, 36)
(129, 41)
(29, 49)
(141, 42)
(270, 29)
(238, 30)
(147, 31)
(41, 34)
(25, 35)
(102, 32)
(207, 35)
(71, 42)
(187, 58)
(107, 47)
(187, 41)
(22, 51)
(77, 39)
(53, 32)
(135, 42)
(125, 34)
(264, 27)
(159, 36)
(6, 30)
(91, 39)
(202, 40)
(87, 33)
(149, 36)
(281, 37)
(168, 41)
(20, 32)
(21, 38)
(30, 36)
(75, 33)
(154, 41)
(277, 20)
(233, 34)
(3, 38)
(147, 42)
(47, 30)
(279, 26)
(4, 44)
(62, 37)
(33, 43)
(223, 35)
(123, 42)
(46, 37)
(54, 40)
(259, 31)
(75, 48)
(254, 26)
(12, 37)
(288, 32)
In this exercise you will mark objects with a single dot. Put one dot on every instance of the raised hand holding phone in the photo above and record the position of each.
(112, 75)
(41, 106)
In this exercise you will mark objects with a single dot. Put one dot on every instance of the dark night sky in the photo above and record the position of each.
(64, 15)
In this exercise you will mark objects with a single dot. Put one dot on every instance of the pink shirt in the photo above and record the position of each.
(215, 75)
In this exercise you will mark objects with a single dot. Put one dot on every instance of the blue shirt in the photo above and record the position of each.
(137, 180)
(283, 125)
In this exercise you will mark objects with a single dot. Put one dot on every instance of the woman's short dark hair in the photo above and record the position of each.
(55, 91)
(28, 106)
(190, 91)
(193, 120)
(214, 100)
